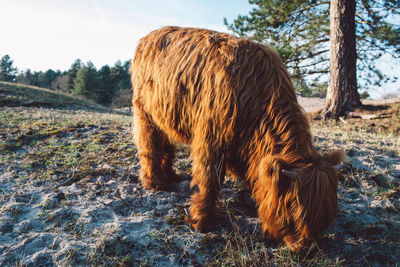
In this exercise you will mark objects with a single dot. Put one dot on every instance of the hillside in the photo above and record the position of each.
(16, 95)
(69, 194)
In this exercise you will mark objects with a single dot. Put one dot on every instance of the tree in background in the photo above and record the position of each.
(61, 83)
(122, 99)
(46, 78)
(342, 93)
(39, 78)
(7, 71)
(105, 86)
(122, 92)
(86, 82)
(120, 75)
(24, 77)
(299, 31)
(72, 72)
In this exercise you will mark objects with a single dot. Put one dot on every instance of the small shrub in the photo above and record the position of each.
(122, 99)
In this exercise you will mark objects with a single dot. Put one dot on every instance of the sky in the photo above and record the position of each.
(44, 34)
(51, 34)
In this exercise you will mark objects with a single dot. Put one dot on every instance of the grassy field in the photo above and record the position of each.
(69, 194)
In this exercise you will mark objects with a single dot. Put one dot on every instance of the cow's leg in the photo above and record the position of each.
(208, 174)
(155, 152)
(167, 161)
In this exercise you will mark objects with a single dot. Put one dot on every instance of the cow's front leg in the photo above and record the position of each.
(208, 174)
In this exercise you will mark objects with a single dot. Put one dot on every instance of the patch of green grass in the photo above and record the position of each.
(53, 144)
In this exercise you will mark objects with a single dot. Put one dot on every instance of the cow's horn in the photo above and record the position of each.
(292, 174)
(338, 167)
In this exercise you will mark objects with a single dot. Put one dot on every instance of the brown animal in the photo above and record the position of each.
(233, 102)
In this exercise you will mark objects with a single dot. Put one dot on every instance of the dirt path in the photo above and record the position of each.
(312, 104)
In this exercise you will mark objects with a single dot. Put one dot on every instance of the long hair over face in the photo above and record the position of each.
(298, 209)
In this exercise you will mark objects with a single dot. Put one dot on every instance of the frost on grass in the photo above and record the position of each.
(69, 195)
(368, 223)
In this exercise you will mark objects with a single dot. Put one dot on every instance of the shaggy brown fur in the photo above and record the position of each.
(233, 101)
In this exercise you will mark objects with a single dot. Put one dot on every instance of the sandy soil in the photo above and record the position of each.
(105, 217)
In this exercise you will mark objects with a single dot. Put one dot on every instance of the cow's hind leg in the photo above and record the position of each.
(167, 161)
(208, 174)
(156, 153)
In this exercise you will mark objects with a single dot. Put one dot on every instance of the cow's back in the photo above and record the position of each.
(190, 79)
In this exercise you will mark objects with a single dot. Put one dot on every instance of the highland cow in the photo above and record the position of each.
(233, 102)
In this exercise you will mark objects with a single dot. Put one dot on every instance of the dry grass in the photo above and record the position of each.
(55, 150)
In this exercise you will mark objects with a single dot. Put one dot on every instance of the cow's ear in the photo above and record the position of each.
(271, 171)
(335, 157)
(293, 174)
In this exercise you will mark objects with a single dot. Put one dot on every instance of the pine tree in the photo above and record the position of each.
(105, 89)
(342, 93)
(28, 76)
(21, 78)
(7, 72)
(120, 75)
(46, 78)
(299, 31)
(86, 82)
(72, 72)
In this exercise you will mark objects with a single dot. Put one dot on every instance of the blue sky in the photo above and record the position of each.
(43, 34)
(51, 34)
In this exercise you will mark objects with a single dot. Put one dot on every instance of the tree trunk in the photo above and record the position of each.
(342, 95)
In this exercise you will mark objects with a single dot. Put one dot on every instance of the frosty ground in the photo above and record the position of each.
(69, 195)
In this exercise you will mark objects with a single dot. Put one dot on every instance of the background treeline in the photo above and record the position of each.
(108, 86)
